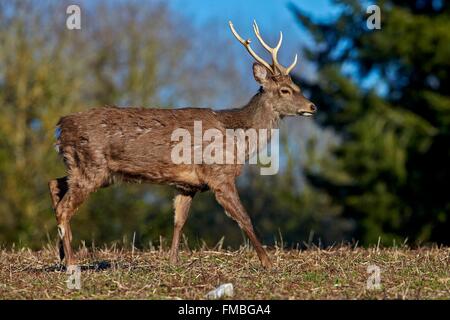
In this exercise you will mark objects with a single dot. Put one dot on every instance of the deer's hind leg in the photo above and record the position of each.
(86, 173)
(76, 194)
(58, 188)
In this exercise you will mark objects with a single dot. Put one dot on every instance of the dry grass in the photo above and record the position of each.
(339, 273)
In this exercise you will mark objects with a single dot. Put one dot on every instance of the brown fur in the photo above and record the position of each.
(102, 145)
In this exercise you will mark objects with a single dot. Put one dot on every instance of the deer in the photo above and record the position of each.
(101, 146)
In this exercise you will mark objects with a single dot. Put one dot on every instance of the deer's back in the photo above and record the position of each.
(132, 143)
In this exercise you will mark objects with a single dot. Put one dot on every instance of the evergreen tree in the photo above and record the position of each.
(386, 94)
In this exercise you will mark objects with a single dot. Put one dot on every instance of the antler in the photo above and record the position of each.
(276, 67)
(246, 44)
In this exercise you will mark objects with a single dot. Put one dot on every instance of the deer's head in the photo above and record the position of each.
(277, 87)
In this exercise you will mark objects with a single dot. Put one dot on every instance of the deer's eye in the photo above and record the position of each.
(285, 91)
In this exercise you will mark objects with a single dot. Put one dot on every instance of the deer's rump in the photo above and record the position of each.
(133, 144)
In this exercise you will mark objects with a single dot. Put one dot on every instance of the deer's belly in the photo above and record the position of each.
(182, 176)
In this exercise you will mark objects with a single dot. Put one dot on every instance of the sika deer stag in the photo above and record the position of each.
(102, 145)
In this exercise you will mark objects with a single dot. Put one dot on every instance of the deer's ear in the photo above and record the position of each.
(261, 73)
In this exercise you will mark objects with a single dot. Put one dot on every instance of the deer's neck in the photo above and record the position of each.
(257, 114)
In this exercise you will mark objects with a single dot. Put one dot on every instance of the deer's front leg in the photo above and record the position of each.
(182, 203)
(228, 197)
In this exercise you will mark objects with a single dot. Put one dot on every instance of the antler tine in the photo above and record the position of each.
(279, 42)
(258, 35)
(246, 44)
(276, 66)
(272, 51)
(289, 69)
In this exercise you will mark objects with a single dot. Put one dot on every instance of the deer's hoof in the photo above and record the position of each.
(266, 264)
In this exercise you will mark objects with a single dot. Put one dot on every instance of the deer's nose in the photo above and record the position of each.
(313, 107)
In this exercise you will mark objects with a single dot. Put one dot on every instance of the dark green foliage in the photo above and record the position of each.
(386, 93)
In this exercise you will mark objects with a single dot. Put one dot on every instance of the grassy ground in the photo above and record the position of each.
(339, 273)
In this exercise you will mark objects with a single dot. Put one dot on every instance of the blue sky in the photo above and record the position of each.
(270, 14)
(267, 11)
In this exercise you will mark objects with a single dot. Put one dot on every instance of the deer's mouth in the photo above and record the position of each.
(305, 113)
